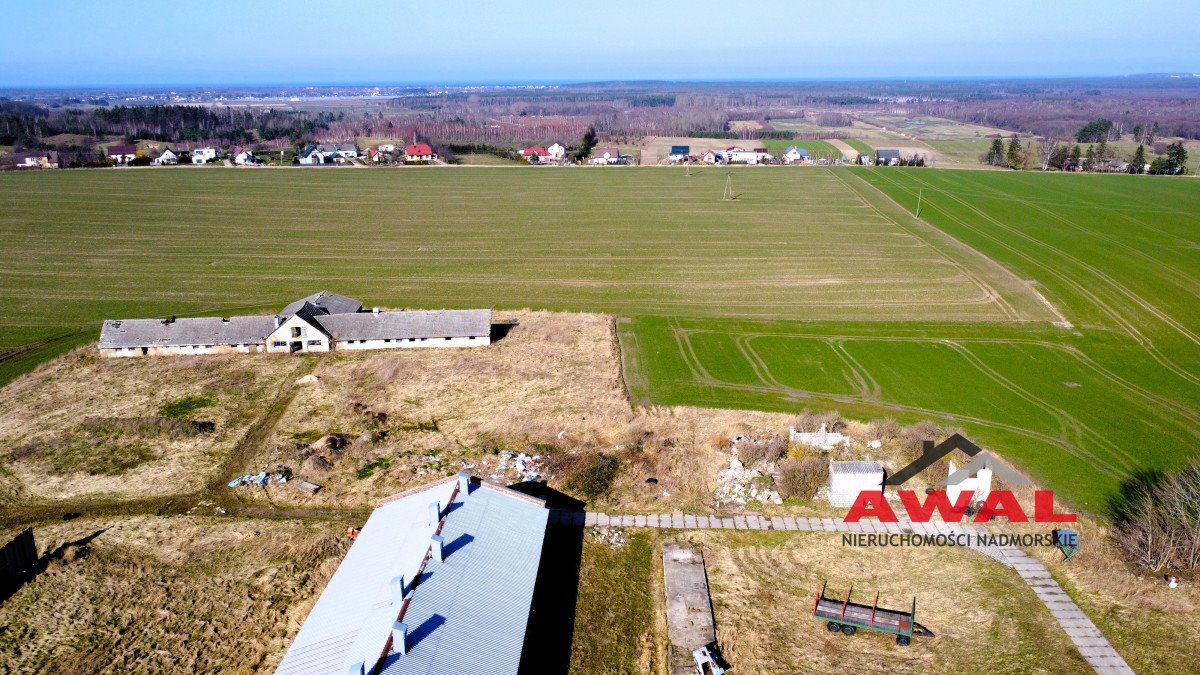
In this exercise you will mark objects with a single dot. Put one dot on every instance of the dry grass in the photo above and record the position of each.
(983, 614)
(183, 594)
(47, 413)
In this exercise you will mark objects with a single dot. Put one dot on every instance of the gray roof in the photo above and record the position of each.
(411, 324)
(466, 615)
(855, 467)
(888, 153)
(329, 302)
(183, 332)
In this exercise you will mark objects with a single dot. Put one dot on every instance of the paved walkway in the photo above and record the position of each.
(1091, 643)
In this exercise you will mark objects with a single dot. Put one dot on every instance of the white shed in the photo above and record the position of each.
(848, 479)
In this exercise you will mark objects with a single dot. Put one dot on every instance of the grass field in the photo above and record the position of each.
(817, 149)
(1080, 409)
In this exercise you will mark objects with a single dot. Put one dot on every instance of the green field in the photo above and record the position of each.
(817, 149)
(861, 147)
(1053, 317)
(1080, 408)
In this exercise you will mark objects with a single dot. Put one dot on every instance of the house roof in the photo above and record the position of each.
(418, 149)
(184, 332)
(536, 149)
(735, 148)
(122, 150)
(330, 302)
(680, 149)
(856, 467)
(888, 153)
(465, 615)
(406, 325)
(803, 152)
(601, 152)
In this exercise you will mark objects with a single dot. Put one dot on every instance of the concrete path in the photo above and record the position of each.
(1091, 643)
(689, 608)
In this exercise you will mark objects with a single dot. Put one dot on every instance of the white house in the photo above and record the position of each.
(202, 155)
(980, 483)
(418, 152)
(794, 155)
(738, 155)
(848, 479)
(679, 153)
(122, 154)
(710, 157)
(387, 147)
(166, 157)
(822, 440)
(557, 151)
(310, 155)
(605, 156)
(40, 159)
(319, 323)
(246, 157)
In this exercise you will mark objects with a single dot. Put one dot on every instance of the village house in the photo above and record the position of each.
(887, 156)
(738, 155)
(166, 157)
(710, 157)
(605, 156)
(245, 157)
(440, 579)
(310, 155)
(203, 155)
(319, 323)
(38, 159)
(679, 153)
(122, 154)
(418, 152)
(536, 155)
(557, 151)
(387, 147)
(795, 155)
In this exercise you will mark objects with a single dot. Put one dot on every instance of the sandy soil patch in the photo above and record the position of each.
(844, 147)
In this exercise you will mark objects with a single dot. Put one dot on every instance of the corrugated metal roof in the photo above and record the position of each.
(855, 467)
(404, 325)
(466, 615)
(332, 303)
(184, 332)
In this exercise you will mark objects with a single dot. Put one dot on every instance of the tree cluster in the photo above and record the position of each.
(1158, 520)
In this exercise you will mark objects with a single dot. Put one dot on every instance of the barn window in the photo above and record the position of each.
(314, 342)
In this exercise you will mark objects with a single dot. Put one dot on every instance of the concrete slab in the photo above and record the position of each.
(689, 521)
(739, 522)
(689, 607)
(791, 524)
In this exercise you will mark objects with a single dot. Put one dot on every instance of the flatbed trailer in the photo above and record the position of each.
(847, 617)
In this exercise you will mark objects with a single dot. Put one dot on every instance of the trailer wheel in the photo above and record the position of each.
(833, 627)
(849, 630)
(903, 640)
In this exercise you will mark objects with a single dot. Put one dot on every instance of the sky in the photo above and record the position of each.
(78, 43)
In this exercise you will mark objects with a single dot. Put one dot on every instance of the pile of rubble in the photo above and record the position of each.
(280, 475)
(609, 536)
(738, 485)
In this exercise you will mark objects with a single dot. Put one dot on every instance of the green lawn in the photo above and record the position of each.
(817, 149)
(1080, 408)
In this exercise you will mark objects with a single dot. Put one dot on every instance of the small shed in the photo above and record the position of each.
(848, 479)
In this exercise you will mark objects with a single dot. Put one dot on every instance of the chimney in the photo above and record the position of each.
(464, 483)
(435, 547)
(375, 311)
(277, 321)
(399, 638)
(398, 589)
(359, 668)
(435, 512)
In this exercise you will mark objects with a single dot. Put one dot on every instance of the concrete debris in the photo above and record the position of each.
(280, 476)
(308, 379)
(609, 536)
(329, 443)
(738, 485)
(875, 444)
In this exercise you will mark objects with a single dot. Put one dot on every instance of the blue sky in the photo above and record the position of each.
(183, 42)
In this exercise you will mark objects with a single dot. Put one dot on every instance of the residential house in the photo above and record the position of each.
(387, 147)
(887, 156)
(348, 150)
(310, 156)
(738, 155)
(121, 154)
(795, 155)
(864, 159)
(246, 157)
(166, 157)
(558, 152)
(536, 155)
(203, 155)
(679, 153)
(605, 156)
(38, 159)
(710, 157)
(319, 323)
(418, 152)
(440, 579)
(373, 154)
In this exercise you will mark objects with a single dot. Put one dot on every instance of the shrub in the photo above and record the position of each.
(1158, 519)
(768, 450)
(801, 478)
(591, 474)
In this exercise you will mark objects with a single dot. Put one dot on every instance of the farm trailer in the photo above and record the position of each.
(848, 617)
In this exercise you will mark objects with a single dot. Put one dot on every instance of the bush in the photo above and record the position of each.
(768, 450)
(591, 474)
(801, 478)
(1158, 519)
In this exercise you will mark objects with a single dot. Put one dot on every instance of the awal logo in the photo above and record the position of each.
(991, 504)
